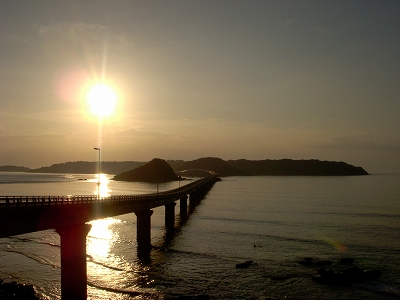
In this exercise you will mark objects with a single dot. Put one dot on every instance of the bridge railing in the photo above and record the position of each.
(16, 201)
(21, 201)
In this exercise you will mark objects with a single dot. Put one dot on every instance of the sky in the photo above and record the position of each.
(229, 79)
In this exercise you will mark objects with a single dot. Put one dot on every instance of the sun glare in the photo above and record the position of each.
(102, 100)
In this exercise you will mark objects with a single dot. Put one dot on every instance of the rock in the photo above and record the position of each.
(245, 264)
(307, 261)
(308, 258)
(346, 261)
(353, 275)
(323, 263)
(198, 297)
(329, 277)
(321, 271)
(346, 276)
(14, 290)
(372, 274)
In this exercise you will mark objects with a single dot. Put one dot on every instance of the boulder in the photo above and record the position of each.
(245, 264)
(346, 261)
(346, 276)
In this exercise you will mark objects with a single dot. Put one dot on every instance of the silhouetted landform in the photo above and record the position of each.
(214, 164)
(244, 265)
(346, 272)
(13, 169)
(90, 167)
(241, 167)
(14, 290)
(157, 170)
(312, 167)
(186, 297)
(282, 167)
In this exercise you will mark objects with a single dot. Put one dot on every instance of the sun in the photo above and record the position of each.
(102, 100)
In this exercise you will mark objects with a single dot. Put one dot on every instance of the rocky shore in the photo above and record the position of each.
(14, 290)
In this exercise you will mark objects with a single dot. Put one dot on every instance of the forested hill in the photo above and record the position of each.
(311, 167)
(282, 167)
(91, 167)
(242, 167)
(13, 169)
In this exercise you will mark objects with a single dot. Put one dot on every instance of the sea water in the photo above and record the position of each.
(274, 221)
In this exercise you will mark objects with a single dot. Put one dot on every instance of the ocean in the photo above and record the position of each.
(278, 223)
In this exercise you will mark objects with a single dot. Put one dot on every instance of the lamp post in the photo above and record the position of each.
(98, 176)
(157, 182)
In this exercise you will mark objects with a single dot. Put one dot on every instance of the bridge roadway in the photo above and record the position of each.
(68, 216)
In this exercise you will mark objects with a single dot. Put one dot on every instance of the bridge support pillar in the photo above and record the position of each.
(143, 228)
(73, 261)
(170, 215)
(194, 200)
(183, 208)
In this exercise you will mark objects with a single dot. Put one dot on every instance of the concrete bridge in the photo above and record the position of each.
(68, 216)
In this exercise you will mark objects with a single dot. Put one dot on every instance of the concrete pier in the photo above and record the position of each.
(143, 228)
(170, 215)
(183, 208)
(194, 200)
(73, 261)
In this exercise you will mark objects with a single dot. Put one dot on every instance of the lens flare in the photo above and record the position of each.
(335, 244)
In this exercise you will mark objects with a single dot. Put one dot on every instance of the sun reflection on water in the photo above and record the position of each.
(101, 237)
(102, 189)
(104, 267)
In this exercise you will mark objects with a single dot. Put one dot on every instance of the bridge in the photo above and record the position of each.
(68, 216)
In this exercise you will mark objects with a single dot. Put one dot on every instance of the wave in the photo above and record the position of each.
(34, 257)
(379, 288)
(34, 241)
(376, 215)
(240, 220)
(231, 260)
(274, 237)
(90, 258)
(136, 292)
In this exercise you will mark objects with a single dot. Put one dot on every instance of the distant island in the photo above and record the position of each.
(155, 171)
(268, 167)
(14, 169)
(241, 167)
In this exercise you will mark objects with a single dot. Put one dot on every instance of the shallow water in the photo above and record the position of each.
(273, 221)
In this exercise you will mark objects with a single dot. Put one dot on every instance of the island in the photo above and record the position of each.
(222, 168)
(155, 171)
(8, 168)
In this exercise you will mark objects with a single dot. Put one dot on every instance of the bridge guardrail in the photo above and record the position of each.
(24, 201)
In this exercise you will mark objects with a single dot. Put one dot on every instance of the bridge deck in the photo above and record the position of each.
(23, 214)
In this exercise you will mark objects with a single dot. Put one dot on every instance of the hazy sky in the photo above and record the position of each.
(229, 79)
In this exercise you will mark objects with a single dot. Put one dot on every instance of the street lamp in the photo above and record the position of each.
(157, 182)
(98, 176)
